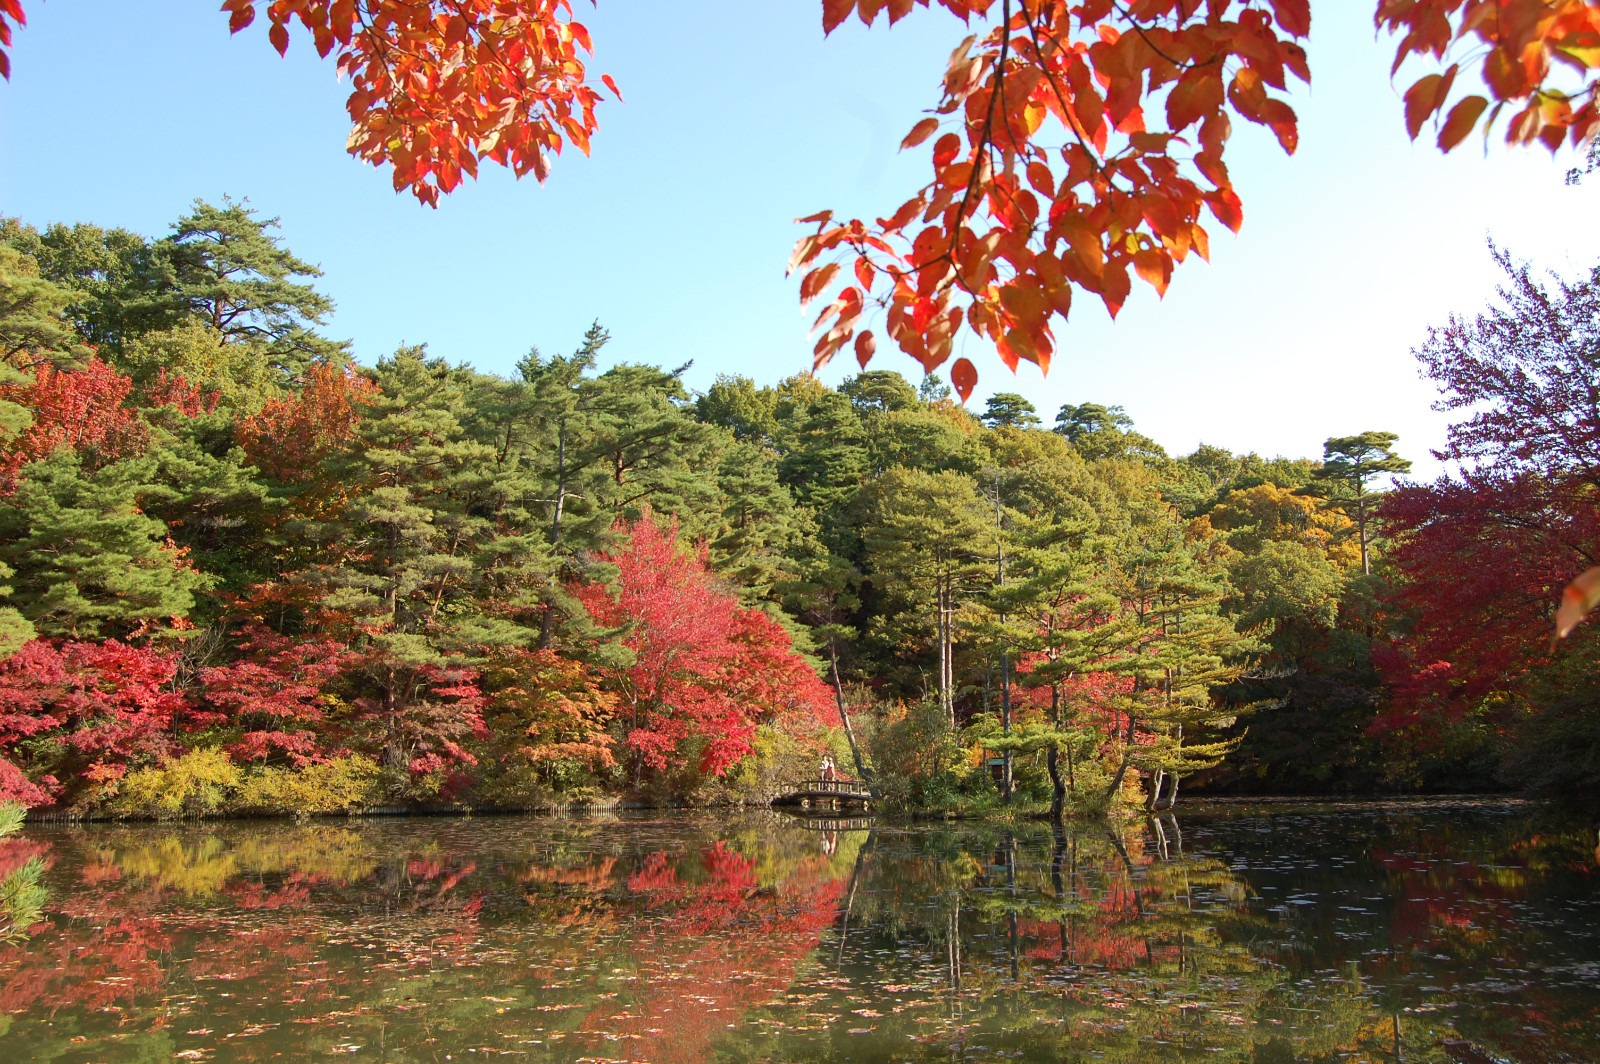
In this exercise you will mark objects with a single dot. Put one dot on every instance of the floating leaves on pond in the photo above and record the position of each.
(1287, 933)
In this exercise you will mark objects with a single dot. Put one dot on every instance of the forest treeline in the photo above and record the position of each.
(242, 573)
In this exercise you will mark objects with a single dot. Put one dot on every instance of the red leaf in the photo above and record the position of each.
(866, 347)
(834, 12)
(964, 375)
(1294, 16)
(279, 36)
(1463, 116)
(1421, 101)
(612, 85)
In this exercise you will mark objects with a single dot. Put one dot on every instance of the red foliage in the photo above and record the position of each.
(27, 680)
(1484, 555)
(175, 390)
(703, 666)
(1484, 560)
(274, 693)
(115, 705)
(417, 717)
(84, 409)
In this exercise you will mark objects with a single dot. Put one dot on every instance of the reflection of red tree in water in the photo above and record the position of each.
(718, 945)
(129, 940)
(1454, 918)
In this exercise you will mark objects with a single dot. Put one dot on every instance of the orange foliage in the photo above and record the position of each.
(83, 409)
(1077, 144)
(434, 88)
(290, 437)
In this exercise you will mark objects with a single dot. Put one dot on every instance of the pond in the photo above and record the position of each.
(1280, 932)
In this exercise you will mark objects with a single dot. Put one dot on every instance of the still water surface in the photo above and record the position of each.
(1458, 932)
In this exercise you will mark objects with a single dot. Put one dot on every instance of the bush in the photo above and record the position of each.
(198, 783)
(922, 765)
(343, 785)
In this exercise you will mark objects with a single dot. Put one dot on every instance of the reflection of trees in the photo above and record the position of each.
(331, 936)
(760, 939)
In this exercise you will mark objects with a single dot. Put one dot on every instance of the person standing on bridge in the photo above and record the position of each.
(828, 771)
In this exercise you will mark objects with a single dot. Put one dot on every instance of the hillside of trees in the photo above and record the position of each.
(241, 573)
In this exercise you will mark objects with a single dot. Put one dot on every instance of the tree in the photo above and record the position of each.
(1010, 409)
(931, 545)
(1131, 90)
(704, 671)
(107, 275)
(1348, 466)
(87, 559)
(1483, 553)
(223, 266)
(33, 329)
(1104, 432)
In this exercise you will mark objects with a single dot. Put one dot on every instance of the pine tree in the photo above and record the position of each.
(87, 560)
(930, 542)
(1349, 465)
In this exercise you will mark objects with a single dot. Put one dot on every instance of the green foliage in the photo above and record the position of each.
(12, 817)
(87, 560)
(921, 763)
(429, 528)
(778, 758)
(22, 895)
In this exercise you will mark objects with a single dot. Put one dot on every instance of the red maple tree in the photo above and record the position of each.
(703, 667)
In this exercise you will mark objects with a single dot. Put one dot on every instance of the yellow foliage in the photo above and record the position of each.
(199, 782)
(343, 785)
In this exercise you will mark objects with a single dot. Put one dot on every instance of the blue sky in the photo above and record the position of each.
(741, 117)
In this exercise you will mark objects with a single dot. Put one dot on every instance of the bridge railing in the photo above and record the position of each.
(851, 788)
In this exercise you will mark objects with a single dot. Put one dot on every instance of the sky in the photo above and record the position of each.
(741, 117)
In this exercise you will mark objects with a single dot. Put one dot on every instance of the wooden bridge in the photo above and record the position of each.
(828, 794)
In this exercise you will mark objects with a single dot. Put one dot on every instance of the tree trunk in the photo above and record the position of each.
(1157, 779)
(844, 715)
(1127, 758)
(547, 623)
(1058, 787)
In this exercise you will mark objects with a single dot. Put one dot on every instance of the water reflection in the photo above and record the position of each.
(1283, 935)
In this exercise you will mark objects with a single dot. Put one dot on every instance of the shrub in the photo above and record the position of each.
(343, 785)
(198, 783)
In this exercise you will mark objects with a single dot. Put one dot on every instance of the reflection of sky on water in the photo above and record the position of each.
(1236, 933)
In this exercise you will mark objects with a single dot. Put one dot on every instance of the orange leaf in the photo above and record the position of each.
(612, 85)
(1294, 16)
(865, 273)
(1580, 596)
(815, 281)
(964, 375)
(1197, 93)
(919, 133)
(1463, 116)
(1422, 99)
(834, 12)
(1154, 268)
